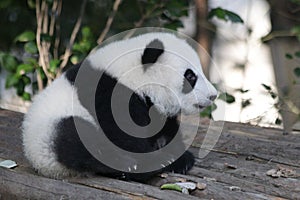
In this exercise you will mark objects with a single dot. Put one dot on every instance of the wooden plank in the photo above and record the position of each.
(133, 188)
(19, 185)
(264, 148)
(215, 189)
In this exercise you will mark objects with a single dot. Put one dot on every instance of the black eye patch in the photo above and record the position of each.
(190, 79)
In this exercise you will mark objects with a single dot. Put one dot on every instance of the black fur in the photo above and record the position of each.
(71, 73)
(152, 51)
(71, 152)
(189, 82)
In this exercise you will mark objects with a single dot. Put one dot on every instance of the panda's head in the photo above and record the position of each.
(164, 68)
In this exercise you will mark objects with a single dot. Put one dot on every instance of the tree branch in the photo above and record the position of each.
(109, 21)
(53, 17)
(139, 23)
(76, 28)
(276, 34)
(40, 13)
(57, 29)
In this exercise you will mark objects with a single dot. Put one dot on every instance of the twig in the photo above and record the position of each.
(276, 34)
(109, 21)
(53, 17)
(255, 156)
(76, 28)
(57, 29)
(139, 23)
(40, 10)
(45, 16)
(217, 150)
(46, 44)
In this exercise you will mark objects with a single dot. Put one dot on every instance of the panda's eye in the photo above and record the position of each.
(190, 80)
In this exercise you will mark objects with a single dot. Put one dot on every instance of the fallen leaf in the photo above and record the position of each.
(187, 185)
(8, 164)
(282, 172)
(164, 175)
(171, 186)
(181, 179)
(201, 186)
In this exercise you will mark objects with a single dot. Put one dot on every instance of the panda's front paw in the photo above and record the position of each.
(183, 164)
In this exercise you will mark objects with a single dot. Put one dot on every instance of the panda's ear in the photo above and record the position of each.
(152, 51)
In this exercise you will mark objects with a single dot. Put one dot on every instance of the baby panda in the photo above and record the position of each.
(160, 72)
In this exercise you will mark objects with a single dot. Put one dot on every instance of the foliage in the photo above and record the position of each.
(226, 97)
(44, 54)
(225, 15)
(49, 48)
(295, 1)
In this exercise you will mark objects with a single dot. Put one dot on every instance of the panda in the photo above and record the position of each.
(162, 75)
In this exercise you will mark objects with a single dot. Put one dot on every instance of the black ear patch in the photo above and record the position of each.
(152, 51)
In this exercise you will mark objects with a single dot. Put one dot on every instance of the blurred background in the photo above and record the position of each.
(253, 46)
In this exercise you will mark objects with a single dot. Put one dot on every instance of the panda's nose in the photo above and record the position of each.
(212, 97)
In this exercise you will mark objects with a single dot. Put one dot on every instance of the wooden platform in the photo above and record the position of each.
(241, 158)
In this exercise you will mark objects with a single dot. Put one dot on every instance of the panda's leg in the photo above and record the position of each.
(72, 153)
(183, 164)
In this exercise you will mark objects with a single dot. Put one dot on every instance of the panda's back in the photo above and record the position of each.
(55, 103)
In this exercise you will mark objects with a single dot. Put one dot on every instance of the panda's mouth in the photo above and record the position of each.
(199, 106)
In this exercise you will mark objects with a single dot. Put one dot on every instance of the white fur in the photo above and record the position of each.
(51, 105)
(162, 82)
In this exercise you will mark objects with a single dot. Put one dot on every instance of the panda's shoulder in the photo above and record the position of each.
(71, 72)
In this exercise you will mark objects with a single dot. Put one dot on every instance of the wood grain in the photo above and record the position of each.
(250, 151)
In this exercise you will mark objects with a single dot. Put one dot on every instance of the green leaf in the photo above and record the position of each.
(54, 64)
(297, 54)
(8, 62)
(75, 59)
(86, 32)
(41, 72)
(25, 37)
(5, 3)
(242, 91)
(225, 15)
(26, 96)
(208, 111)
(20, 87)
(278, 121)
(31, 4)
(297, 71)
(30, 47)
(11, 80)
(295, 1)
(24, 68)
(266, 87)
(171, 186)
(296, 30)
(174, 25)
(46, 37)
(228, 98)
(289, 56)
(31, 61)
(177, 8)
(246, 103)
(273, 95)
(26, 80)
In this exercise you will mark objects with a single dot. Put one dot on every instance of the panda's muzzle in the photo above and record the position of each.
(199, 106)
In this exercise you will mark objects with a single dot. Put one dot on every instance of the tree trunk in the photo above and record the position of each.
(204, 34)
(284, 16)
